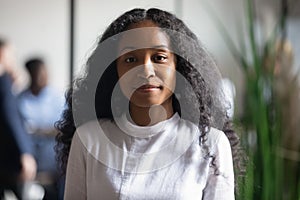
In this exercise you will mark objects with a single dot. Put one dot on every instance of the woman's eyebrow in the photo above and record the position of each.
(161, 47)
(130, 48)
(127, 48)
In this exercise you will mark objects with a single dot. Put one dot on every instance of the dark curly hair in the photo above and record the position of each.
(204, 108)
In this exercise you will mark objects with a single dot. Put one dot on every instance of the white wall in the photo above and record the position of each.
(38, 27)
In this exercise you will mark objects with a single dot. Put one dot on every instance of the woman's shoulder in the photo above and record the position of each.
(94, 124)
(91, 131)
(217, 139)
(188, 126)
(93, 135)
(213, 137)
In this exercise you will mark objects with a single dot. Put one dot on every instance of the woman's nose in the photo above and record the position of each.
(147, 69)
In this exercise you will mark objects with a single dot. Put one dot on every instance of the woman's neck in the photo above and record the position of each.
(35, 90)
(147, 116)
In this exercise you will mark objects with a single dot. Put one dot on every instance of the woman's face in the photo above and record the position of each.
(146, 75)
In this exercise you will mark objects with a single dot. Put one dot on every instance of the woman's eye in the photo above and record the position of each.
(130, 60)
(160, 58)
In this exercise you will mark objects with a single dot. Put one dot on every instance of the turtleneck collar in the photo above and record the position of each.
(126, 124)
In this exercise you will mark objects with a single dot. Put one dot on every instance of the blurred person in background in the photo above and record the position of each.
(17, 165)
(40, 106)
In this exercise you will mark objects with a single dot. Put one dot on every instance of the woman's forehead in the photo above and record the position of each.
(147, 37)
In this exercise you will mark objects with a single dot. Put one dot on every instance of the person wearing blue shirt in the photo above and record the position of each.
(40, 106)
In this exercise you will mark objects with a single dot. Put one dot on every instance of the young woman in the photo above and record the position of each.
(145, 120)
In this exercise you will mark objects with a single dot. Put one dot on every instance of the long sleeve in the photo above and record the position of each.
(75, 187)
(221, 185)
(11, 123)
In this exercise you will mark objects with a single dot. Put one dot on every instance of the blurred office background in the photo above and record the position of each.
(64, 33)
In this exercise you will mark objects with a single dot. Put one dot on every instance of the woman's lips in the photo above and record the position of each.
(149, 88)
